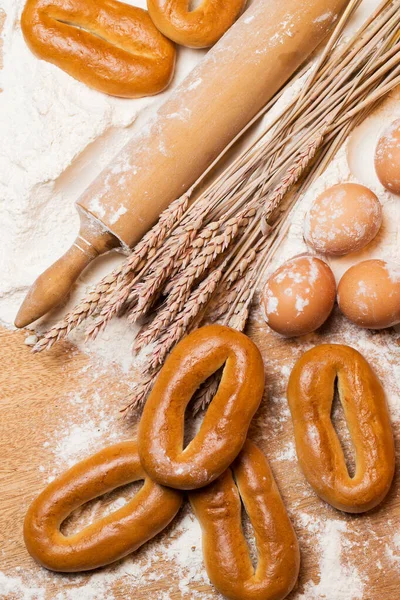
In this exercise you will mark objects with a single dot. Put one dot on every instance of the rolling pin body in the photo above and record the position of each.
(235, 80)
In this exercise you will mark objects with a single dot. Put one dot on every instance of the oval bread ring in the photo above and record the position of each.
(198, 28)
(110, 538)
(224, 428)
(108, 45)
(310, 395)
(226, 554)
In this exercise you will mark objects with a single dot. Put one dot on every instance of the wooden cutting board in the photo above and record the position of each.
(35, 404)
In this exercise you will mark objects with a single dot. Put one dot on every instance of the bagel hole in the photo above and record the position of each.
(249, 536)
(192, 424)
(196, 408)
(342, 430)
(99, 507)
(193, 4)
(248, 530)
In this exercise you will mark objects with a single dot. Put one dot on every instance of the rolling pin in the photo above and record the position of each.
(237, 77)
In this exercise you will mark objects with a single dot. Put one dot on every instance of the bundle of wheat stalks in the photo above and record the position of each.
(205, 257)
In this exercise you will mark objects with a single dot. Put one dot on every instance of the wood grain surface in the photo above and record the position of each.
(35, 405)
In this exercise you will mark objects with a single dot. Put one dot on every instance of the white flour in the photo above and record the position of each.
(349, 585)
(56, 135)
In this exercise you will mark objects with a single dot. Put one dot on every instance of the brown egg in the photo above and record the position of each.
(343, 219)
(299, 296)
(369, 294)
(387, 158)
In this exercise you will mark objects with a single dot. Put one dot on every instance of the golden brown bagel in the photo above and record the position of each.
(198, 28)
(226, 554)
(310, 395)
(110, 538)
(108, 45)
(224, 428)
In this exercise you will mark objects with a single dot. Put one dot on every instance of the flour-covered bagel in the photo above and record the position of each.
(108, 45)
(111, 537)
(310, 395)
(224, 428)
(218, 508)
(197, 28)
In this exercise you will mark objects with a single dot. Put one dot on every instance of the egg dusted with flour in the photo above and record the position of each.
(299, 296)
(369, 294)
(343, 219)
(387, 158)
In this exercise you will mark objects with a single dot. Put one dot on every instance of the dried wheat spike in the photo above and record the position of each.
(89, 305)
(153, 240)
(137, 398)
(227, 297)
(196, 303)
(241, 268)
(149, 290)
(208, 255)
(183, 285)
(292, 176)
(239, 318)
(204, 237)
(206, 393)
(99, 297)
(145, 291)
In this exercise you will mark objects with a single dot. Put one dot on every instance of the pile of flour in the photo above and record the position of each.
(56, 136)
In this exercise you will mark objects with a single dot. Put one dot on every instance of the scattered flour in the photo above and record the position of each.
(325, 17)
(337, 580)
(393, 550)
(181, 547)
(288, 452)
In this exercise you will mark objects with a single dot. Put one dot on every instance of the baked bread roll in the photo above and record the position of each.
(197, 28)
(110, 538)
(310, 395)
(224, 428)
(218, 508)
(108, 45)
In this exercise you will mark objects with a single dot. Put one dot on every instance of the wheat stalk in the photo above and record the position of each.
(138, 397)
(156, 236)
(84, 309)
(196, 303)
(147, 286)
(145, 291)
(97, 298)
(182, 286)
(206, 393)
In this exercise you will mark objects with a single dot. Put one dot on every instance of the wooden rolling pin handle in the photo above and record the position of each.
(52, 286)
